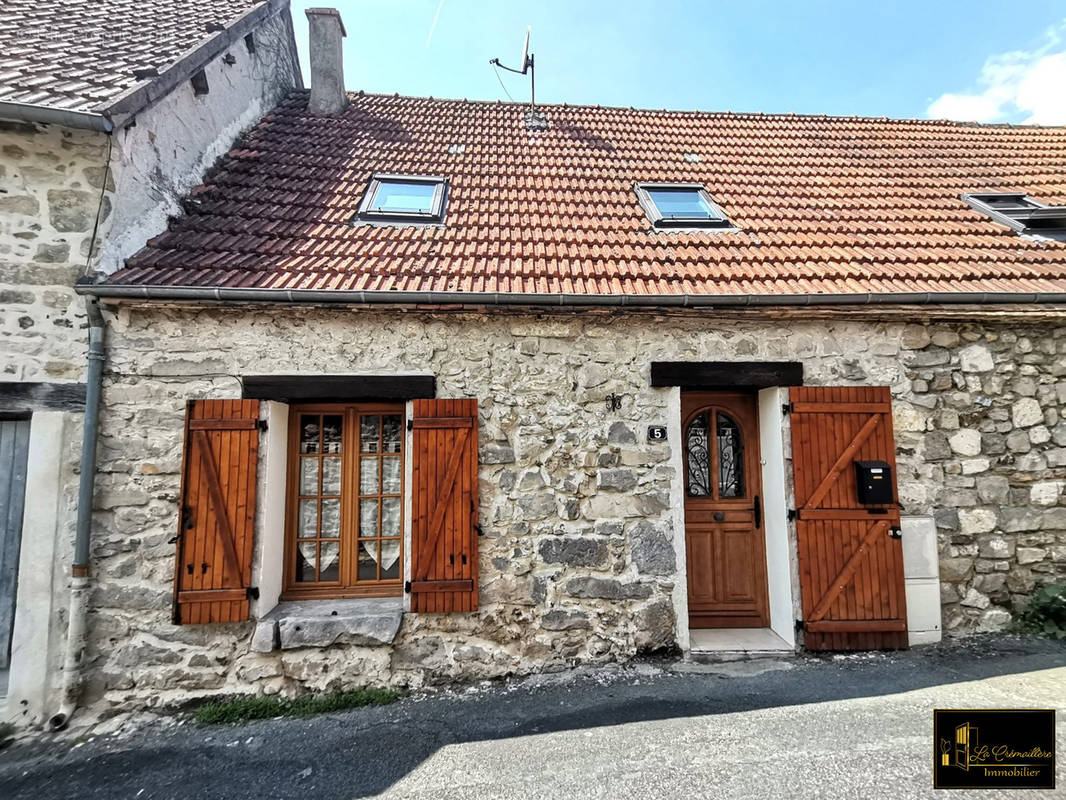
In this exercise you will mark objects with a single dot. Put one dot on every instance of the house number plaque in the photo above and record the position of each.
(656, 433)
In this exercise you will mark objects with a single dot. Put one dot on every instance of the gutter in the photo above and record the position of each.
(77, 628)
(46, 115)
(327, 296)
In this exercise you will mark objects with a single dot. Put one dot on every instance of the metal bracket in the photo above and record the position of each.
(792, 515)
(252, 592)
(261, 424)
(407, 587)
(410, 424)
(787, 408)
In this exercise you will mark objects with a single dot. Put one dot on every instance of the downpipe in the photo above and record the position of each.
(77, 624)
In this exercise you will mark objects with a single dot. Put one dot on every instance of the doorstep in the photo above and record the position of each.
(728, 644)
(366, 621)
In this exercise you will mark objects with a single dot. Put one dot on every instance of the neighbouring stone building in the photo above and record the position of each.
(109, 114)
(423, 390)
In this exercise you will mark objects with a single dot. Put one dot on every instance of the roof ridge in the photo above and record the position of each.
(706, 113)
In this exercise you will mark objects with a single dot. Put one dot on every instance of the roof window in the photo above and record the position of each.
(403, 198)
(1019, 211)
(680, 205)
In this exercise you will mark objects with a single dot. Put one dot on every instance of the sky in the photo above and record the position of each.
(976, 60)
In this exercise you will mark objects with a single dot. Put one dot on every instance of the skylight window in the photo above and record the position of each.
(403, 198)
(1020, 212)
(680, 205)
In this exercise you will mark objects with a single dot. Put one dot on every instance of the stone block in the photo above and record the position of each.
(995, 547)
(993, 489)
(976, 358)
(955, 569)
(618, 480)
(1031, 555)
(562, 620)
(574, 551)
(1026, 412)
(977, 520)
(321, 623)
(607, 589)
(653, 550)
(1045, 493)
(966, 442)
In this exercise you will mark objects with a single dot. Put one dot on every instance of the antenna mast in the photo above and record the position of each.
(527, 66)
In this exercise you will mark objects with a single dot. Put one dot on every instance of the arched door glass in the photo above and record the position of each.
(698, 456)
(730, 457)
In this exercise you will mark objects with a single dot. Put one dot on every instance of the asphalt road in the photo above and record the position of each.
(821, 727)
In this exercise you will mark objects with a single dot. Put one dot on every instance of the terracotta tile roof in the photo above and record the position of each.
(824, 205)
(81, 54)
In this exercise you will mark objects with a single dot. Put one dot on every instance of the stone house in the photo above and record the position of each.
(420, 390)
(109, 114)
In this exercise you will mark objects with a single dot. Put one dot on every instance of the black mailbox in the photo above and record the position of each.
(874, 482)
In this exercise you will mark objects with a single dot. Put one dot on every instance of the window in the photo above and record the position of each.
(345, 515)
(726, 460)
(1019, 211)
(403, 198)
(680, 205)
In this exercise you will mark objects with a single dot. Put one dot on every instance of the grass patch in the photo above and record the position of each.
(243, 709)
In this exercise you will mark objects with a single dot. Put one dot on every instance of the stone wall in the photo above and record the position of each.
(578, 561)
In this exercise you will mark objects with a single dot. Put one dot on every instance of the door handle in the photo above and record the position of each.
(757, 511)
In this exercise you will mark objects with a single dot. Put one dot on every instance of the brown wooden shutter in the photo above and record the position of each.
(217, 517)
(444, 493)
(851, 564)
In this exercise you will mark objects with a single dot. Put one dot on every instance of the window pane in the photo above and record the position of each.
(369, 428)
(390, 475)
(331, 476)
(329, 561)
(368, 517)
(368, 557)
(390, 516)
(308, 522)
(309, 433)
(331, 519)
(699, 457)
(309, 475)
(332, 425)
(730, 458)
(368, 475)
(391, 433)
(390, 558)
(405, 197)
(681, 203)
(305, 562)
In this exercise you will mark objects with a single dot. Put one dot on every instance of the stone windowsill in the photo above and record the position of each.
(366, 621)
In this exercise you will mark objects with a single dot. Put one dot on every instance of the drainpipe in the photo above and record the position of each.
(79, 571)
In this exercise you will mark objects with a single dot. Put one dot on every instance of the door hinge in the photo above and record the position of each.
(407, 587)
(261, 424)
(792, 515)
(788, 408)
(252, 592)
(410, 424)
(799, 625)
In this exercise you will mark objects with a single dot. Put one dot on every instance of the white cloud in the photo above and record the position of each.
(1020, 86)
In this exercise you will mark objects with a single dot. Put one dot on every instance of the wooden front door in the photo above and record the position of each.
(850, 554)
(723, 514)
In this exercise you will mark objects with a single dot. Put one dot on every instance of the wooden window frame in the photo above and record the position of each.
(347, 585)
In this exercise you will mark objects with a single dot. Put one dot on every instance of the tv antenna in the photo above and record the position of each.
(527, 66)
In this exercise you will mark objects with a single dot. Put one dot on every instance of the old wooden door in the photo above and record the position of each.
(850, 554)
(14, 447)
(723, 516)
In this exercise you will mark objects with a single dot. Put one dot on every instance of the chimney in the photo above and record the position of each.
(327, 61)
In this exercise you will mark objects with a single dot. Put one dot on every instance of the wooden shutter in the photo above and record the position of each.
(850, 556)
(217, 517)
(444, 522)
